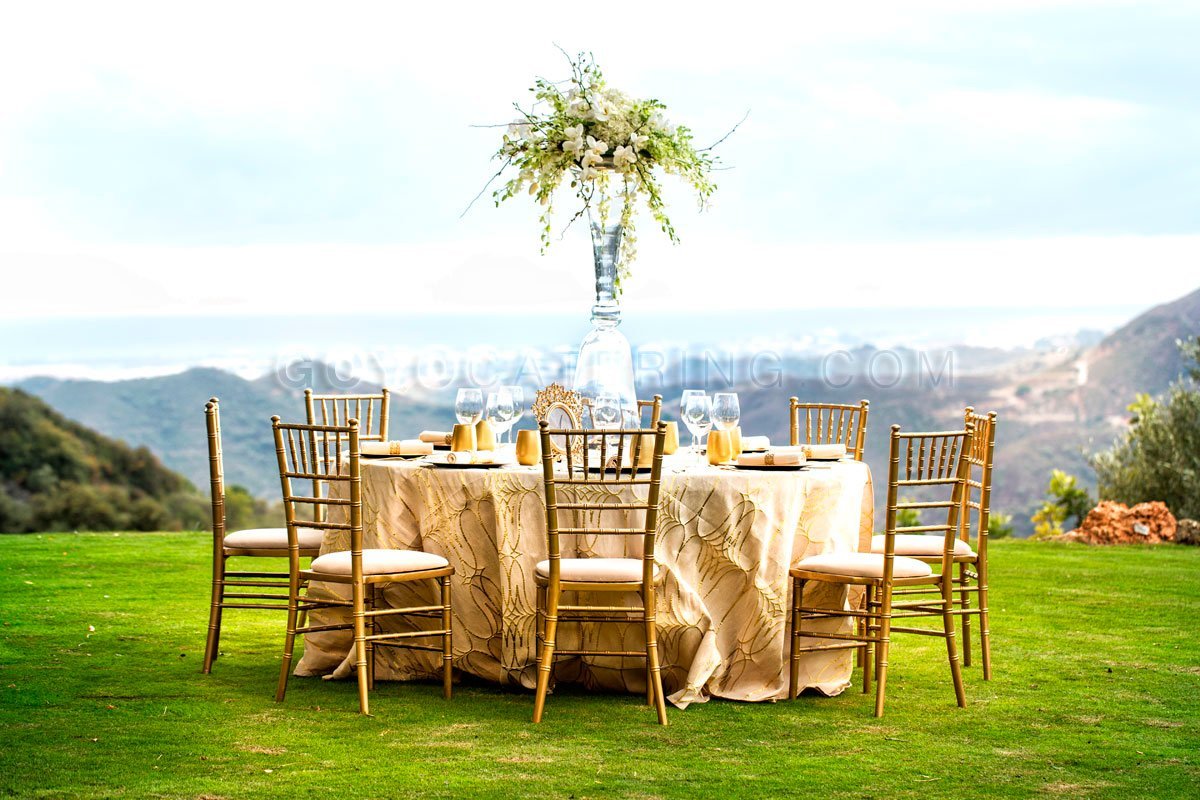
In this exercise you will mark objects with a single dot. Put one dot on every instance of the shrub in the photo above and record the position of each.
(1158, 457)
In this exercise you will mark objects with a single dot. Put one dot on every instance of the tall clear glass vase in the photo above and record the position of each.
(605, 364)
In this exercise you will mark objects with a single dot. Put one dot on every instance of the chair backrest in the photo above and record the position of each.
(216, 469)
(655, 407)
(339, 409)
(979, 492)
(590, 476)
(937, 465)
(831, 423)
(312, 455)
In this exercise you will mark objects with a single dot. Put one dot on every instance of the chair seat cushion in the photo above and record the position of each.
(379, 562)
(597, 570)
(864, 565)
(912, 544)
(273, 539)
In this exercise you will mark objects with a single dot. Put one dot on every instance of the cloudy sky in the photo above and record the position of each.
(232, 158)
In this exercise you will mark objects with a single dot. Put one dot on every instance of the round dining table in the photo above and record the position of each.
(726, 538)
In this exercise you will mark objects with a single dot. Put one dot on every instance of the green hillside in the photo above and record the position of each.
(166, 414)
(57, 475)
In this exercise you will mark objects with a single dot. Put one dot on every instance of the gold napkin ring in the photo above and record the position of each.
(769, 459)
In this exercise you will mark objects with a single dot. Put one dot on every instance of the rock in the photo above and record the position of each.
(1187, 532)
(1116, 523)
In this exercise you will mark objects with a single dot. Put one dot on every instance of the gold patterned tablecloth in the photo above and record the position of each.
(726, 539)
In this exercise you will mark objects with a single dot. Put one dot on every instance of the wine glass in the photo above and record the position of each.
(697, 415)
(726, 413)
(501, 411)
(606, 410)
(684, 398)
(518, 396)
(468, 406)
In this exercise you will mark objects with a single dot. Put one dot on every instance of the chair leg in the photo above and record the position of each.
(369, 601)
(360, 648)
(660, 702)
(212, 643)
(546, 658)
(882, 646)
(289, 641)
(964, 600)
(952, 649)
(797, 617)
(447, 639)
(868, 630)
(985, 635)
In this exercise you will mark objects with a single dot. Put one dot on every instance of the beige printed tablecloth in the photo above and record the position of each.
(726, 539)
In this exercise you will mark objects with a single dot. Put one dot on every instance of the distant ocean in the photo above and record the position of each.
(110, 348)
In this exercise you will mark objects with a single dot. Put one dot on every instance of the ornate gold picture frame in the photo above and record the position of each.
(560, 408)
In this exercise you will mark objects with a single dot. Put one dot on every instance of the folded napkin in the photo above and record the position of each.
(404, 447)
(480, 457)
(755, 443)
(825, 451)
(779, 457)
(435, 437)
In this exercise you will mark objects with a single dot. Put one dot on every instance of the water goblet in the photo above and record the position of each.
(726, 413)
(518, 396)
(697, 415)
(468, 406)
(501, 411)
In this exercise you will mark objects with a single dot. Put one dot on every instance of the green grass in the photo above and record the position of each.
(1096, 694)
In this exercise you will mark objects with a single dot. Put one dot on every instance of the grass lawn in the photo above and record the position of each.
(1096, 694)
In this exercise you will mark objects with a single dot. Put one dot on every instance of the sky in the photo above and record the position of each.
(247, 158)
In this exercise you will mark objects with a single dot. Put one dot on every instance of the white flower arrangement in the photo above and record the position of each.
(608, 145)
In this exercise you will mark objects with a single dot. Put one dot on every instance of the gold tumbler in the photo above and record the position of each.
(720, 450)
(529, 447)
(463, 437)
(485, 437)
(671, 442)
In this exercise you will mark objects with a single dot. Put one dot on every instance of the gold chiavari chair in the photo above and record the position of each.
(314, 453)
(580, 492)
(831, 423)
(940, 468)
(971, 561)
(249, 587)
(338, 409)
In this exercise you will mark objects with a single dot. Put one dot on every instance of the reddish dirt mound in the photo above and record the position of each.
(1117, 523)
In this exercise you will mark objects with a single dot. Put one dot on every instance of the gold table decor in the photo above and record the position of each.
(725, 542)
(561, 408)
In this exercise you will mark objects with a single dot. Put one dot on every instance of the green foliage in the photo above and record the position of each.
(56, 474)
(1047, 520)
(1065, 499)
(1000, 525)
(1158, 457)
(244, 510)
(1190, 348)
(606, 146)
(907, 517)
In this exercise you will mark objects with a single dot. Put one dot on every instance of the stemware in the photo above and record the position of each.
(468, 406)
(606, 410)
(501, 411)
(518, 396)
(697, 415)
(726, 412)
(684, 398)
